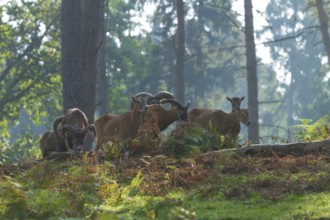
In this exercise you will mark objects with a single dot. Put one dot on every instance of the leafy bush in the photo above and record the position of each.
(49, 190)
(308, 131)
(113, 150)
(190, 140)
(24, 147)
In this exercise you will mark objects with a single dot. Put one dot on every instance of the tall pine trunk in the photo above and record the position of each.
(180, 51)
(251, 66)
(71, 49)
(89, 59)
(102, 88)
(323, 19)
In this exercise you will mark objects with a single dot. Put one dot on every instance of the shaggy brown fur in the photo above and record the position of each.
(120, 128)
(224, 123)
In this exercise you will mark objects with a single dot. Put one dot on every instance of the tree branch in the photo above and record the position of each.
(270, 102)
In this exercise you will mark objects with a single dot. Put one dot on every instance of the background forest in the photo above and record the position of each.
(136, 52)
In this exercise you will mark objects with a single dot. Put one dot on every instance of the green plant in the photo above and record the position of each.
(308, 131)
(24, 147)
(192, 140)
(179, 213)
(13, 199)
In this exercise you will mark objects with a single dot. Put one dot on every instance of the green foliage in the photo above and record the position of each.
(114, 194)
(47, 203)
(194, 140)
(305, 93)
(222, 141)
(113, 150)
(135, 184)
(48, 190)
(303, 206)
(128, 63)
(209, 67)
(260, 188)
(13, 199)
(29, 72)
(180, 148)
(308, 131)
(179, 213)
(29, 59)
(20, 203)
(22, 148)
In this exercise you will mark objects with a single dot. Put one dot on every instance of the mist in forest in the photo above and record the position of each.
(141, 55)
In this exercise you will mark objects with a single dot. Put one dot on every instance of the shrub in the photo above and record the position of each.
(24, 147)
(189, 140)
(308, 131)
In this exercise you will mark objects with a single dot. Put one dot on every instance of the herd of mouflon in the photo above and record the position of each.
(147, 117)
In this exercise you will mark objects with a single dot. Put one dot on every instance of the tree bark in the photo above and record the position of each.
(71, 49)
(252, 81)
(323, 19)
(180, 51)
(290, 149)
(102, 90)
(89, 59)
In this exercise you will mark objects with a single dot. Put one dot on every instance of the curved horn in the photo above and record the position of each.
(55, 126)
(164, 95)
(143, 94)
(90, 127)
(71, 129)
(173, 102)
(183, 109)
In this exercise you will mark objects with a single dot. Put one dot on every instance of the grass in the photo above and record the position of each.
(293, 207)
(169, 188)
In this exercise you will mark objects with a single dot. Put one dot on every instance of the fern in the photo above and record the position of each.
(135, 183)
(192, 140)
(308, 131)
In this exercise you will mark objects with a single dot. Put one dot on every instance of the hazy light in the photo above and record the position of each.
(263, 52)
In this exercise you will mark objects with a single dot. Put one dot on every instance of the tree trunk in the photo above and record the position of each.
(89, 59)
(102, 90)
(290, 103)
(323, 19)
(290, 149)
(251, 65)
(180, 51)
(71, 49)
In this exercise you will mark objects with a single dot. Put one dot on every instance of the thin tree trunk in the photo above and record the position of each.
(290, 102)
(101, 65)
(89, 59)
(251, 65)
(155, 77)
(71, 49)
(180, 51)
(199, 53)
(323, 19)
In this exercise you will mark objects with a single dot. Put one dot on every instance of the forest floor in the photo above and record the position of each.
(163, 187)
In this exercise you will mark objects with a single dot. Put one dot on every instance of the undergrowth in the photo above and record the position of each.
(180, 184)
(168, 188)
(308, 131)
(189, 140)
